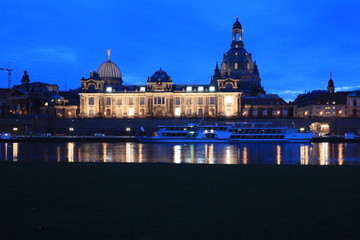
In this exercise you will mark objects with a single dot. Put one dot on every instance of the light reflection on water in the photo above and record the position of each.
(264, 153)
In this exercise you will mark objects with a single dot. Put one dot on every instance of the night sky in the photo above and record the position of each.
(296, 44)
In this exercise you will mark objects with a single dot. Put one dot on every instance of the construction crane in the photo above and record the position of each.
(9, 75)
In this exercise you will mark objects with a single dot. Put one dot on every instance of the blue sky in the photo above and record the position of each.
(296, 43)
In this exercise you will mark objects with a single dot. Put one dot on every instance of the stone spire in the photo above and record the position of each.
(331, 87)
(217, 73)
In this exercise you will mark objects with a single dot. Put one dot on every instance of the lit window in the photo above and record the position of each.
(236, 54)
(212, 89)
(109, 89)
(200, 89)
(142, 89)
(188, 89)
(229, 100)
(333, 102)
(131, 111)
(228, 111)
(236, 66)
(177, 111)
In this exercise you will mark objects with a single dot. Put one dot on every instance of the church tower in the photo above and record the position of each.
(331, 87)
(238, 72)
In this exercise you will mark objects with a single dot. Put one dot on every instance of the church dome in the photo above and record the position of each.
(237, 62)
(160, 76)
(109, 69)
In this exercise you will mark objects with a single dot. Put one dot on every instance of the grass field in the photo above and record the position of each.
(168, 201)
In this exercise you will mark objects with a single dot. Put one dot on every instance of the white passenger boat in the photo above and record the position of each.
(189, 133)
(231, 132)
(265, 132)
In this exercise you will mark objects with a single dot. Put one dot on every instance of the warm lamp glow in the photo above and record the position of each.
(177, 111)
(131, 111)
(229, 100)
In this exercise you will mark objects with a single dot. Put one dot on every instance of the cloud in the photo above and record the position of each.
(347, 88)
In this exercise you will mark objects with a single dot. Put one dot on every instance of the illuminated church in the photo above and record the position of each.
(104, 94)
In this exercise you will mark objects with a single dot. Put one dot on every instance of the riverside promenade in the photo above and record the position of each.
(121, 127)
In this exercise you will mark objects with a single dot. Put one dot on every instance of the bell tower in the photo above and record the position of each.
(331, 87)
(237, 34)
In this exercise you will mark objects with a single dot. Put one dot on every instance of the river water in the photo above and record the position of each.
(130, 152)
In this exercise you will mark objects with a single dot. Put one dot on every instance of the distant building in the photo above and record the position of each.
(353, 104)
(65, 104)
(29, 97)
(322, 103)
(104, 95)
(266, 106)
(4, 108)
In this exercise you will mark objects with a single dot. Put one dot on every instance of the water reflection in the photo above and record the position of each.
(324, 153)
(15, 151)
(70, 148)
(304, 155)
(6, 151)
(129, 153)
(244, 156)
(341, 153)
(279, 154)
(209, 153)
(177, 154)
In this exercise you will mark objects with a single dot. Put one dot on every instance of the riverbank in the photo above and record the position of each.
(178, 201)
(124, 138)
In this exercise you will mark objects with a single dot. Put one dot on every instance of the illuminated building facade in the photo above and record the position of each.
(322, 103)
(104, 95)
(353, 103)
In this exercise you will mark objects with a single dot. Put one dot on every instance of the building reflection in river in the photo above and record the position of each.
(244, 155)
(210, 157)
(304, 154)
(278, 154)
(271, 153)
(15, 151)
(70, 148)
(341, 153)
(324, 153)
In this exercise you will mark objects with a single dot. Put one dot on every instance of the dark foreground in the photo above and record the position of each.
(166, 201)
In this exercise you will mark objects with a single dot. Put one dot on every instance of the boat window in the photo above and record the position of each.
(210, 135)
